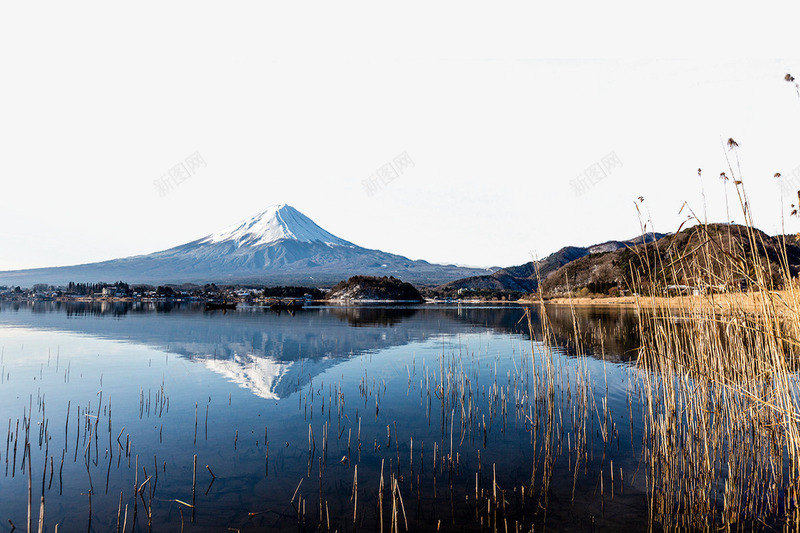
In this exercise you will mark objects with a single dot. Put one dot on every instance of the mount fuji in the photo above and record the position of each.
(280, 245)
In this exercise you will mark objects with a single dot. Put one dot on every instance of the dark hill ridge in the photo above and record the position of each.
(713, 255)
(374, 288)
(523, 278)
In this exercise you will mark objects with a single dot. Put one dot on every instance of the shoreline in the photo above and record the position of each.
(783, 300)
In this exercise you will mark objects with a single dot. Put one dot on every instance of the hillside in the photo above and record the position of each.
(374, 288)
(716, 256)
(524, 277)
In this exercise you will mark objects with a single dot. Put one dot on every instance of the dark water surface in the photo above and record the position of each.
(442, 402)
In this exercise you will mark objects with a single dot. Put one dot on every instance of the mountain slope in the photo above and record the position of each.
(280, 245)
(524, 277)
(717, 255)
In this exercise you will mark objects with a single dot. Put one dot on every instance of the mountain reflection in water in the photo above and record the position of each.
(274, 354)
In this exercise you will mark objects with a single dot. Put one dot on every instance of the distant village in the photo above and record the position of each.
(124, 292)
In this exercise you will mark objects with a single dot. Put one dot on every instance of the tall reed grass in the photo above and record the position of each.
(718, 378)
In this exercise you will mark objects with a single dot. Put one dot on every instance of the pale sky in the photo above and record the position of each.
(499, 106)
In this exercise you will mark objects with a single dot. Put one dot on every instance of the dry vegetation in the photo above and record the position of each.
(717, 371)
(719, 380)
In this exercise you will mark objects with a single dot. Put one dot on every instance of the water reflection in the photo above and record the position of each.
(609, 333)
(276, 354)
(443, 403)
(374, 315)
(451, 406)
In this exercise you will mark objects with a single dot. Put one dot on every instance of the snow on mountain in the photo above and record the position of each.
(276, 223)
(279, 246)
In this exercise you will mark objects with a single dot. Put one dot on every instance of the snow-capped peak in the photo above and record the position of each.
(276, 223)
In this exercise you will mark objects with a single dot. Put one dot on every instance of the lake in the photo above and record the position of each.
(429, 417)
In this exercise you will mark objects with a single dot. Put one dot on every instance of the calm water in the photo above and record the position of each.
(444, 403)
